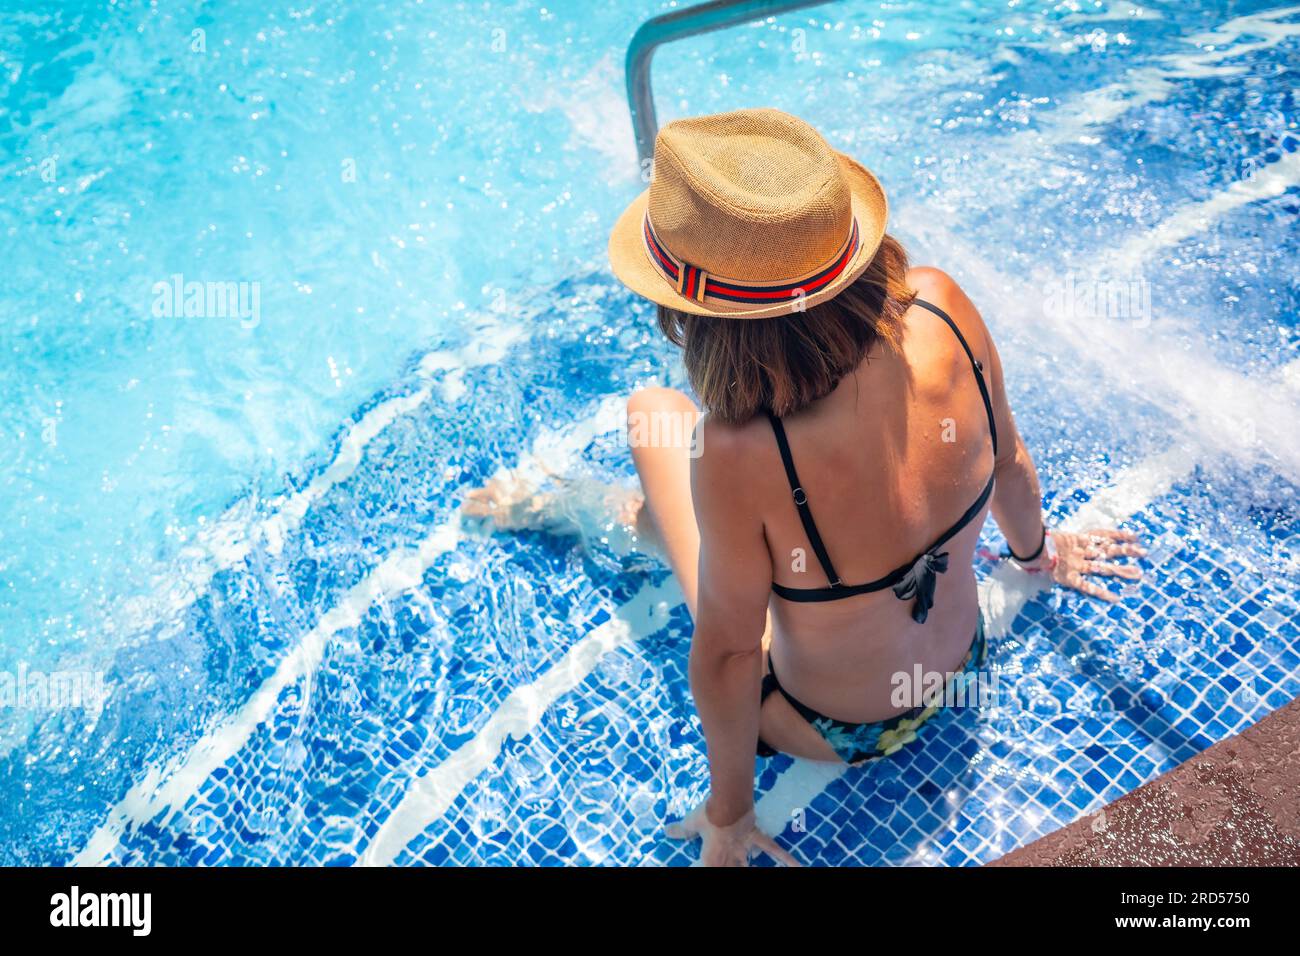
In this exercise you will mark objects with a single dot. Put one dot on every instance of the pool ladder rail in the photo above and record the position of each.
(676, 25)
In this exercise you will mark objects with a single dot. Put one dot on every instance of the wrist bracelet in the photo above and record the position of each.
(1042, 543)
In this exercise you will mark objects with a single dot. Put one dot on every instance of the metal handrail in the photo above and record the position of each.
(690, 21)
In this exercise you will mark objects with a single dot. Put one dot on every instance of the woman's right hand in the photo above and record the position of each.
(1083, 553)
(729, 845)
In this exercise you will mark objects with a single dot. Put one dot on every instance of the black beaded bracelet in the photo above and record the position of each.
(1042, 543)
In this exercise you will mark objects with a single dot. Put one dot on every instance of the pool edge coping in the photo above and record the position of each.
(1232, 804)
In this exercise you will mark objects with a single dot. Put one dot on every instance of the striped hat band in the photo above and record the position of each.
(694, 283)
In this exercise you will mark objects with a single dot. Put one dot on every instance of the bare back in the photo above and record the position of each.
(889, 460)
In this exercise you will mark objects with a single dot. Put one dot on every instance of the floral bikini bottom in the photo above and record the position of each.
(857, 743)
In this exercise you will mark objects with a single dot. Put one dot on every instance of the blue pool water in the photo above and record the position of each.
(249, 529)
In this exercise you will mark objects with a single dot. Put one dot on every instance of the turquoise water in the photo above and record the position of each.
(396, 179)
(378, 169)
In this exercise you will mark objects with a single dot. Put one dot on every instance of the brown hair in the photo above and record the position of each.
(738, 367)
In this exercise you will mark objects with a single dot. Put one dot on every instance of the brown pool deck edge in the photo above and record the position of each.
(1235, 804)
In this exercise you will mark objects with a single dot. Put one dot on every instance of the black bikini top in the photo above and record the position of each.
(916, 579)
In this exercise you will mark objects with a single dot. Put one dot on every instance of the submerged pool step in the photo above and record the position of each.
(393, 496)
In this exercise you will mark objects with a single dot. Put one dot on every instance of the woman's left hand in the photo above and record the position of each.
(730, 845)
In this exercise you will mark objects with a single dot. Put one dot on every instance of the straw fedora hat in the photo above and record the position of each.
(749, 214)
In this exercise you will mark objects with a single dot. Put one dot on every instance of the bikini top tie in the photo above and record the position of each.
(919, 583)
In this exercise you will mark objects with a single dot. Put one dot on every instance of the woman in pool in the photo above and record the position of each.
(823, 523)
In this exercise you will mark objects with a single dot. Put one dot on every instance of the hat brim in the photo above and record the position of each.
(632, 266)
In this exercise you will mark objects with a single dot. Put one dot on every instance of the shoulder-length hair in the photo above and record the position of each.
(740, 367)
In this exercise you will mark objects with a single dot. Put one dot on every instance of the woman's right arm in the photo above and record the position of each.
(1017, 497)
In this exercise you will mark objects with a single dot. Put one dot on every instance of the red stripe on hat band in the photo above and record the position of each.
(686, 278)
(658, 253)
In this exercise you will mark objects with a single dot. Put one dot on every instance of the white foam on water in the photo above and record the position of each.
(430, 796)
(1269, 27)
(1132, 490)
(1219, 410)
(1078, 118)
(596, 107)
(1151, 84)
(555, 451)
(1289, 376)
(1268, 182)
(1126, 12)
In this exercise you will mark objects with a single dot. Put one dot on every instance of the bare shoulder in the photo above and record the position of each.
(929, 280)
(938, 288)
(733, 468)
(935, 355)
(724, 449)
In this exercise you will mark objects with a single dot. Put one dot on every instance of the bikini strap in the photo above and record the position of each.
(975, 364)
(801, 502)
